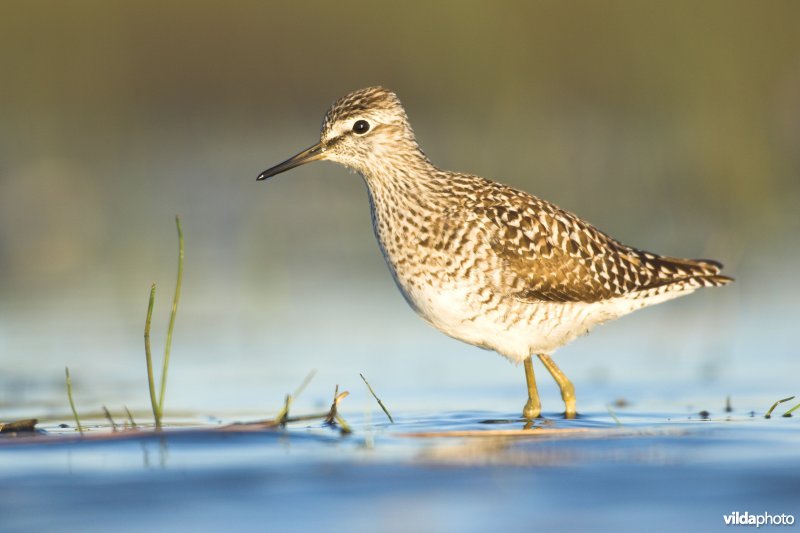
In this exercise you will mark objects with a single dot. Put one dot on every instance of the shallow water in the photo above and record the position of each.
(654, 470)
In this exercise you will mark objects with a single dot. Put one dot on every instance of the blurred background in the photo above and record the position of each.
(673, 126)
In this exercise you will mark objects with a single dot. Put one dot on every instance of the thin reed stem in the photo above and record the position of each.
(790, 411)
(72, 403)
(130, 417)
(149, 358)
(774, 405)
(175, 300)
(385, 410)
(110, 418)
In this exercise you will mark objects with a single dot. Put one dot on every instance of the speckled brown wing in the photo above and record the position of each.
(551, 255)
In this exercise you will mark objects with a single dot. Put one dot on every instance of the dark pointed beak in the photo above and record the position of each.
(306, 156)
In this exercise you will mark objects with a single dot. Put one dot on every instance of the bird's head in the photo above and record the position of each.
(363, 130)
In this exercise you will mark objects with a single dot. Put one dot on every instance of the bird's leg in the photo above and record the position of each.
(533, 406)
(567, 389)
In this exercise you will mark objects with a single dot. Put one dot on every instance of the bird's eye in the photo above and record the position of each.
(361, 127)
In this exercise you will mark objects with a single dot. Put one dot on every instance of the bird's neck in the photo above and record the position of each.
(400, 177)
(407, 197)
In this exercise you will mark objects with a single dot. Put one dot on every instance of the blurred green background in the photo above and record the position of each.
(674, 126)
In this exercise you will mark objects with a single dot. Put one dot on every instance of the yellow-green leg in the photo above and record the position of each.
(567, 389)
(533, 406)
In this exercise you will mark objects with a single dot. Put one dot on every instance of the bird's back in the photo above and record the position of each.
(552, 255)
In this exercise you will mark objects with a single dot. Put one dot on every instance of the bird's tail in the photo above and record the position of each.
(693, 272)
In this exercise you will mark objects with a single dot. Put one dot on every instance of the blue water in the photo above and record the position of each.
(655, 471)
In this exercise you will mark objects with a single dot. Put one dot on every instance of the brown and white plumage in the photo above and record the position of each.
(483, 262)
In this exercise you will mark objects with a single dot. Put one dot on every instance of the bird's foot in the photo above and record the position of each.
(569, 404)
(531, 410)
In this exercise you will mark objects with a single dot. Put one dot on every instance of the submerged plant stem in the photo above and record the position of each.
(613, 414)
(175, 300)
(72, 403)
(149, 358)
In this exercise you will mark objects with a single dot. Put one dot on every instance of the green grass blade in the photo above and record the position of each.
(385, 410)
(774, 405)
(72, 403)
(110, 419)
(613, 414)
(299, 390)
(130, 417)
(149, 358)
(283, 415)
(175, 300)
(788, 413)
